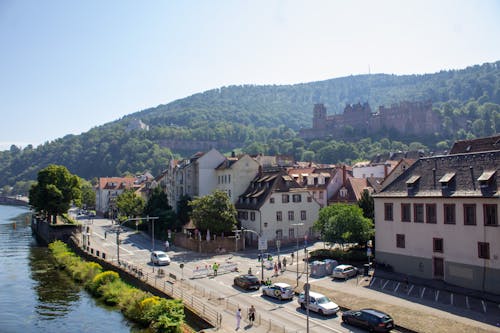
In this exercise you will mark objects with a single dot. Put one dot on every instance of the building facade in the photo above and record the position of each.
(439, 220)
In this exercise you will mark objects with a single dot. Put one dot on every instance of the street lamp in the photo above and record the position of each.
(297, 238)
(118, 230)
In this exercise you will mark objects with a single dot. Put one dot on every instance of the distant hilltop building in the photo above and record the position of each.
(358, 119)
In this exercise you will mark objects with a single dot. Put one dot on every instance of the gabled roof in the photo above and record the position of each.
(476, 145)
(116, 183)
(468, 170)
(265, 183)
(354, 188)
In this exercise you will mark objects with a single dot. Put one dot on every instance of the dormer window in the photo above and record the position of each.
(487, 178)
(412, 182)
(343, 192)
(447, 180)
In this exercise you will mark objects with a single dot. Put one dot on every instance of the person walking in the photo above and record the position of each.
(238, 319)
(279, 267)
(251, 315)
(167, 245)
(215, 267)
(249, 270)
(275, 269)
(284, 263)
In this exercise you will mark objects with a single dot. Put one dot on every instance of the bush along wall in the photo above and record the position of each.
(163, 315)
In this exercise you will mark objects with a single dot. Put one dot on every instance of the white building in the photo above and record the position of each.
(439, 220)
(192, 177)
(275, 206)
(234, 175)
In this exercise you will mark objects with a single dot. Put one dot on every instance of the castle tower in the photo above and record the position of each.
(319, 117)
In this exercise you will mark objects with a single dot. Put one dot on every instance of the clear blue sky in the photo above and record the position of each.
(68, 66)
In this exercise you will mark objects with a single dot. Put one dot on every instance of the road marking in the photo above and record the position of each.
(316, 322)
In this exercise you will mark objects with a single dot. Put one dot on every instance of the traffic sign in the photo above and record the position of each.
(262, 243)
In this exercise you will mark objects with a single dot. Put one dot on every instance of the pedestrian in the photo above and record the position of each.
(275, 269)
(249, 270)
(284, 263)
(105, 234)
(167, 245)
(238, 319)
(251, 314)
(268, 281)
(259, 257)
(215, 268)
(279, 266)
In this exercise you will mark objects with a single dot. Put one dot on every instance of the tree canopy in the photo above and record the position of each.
(129, 204)
(214, 212)
(344, 223)
(55, 190)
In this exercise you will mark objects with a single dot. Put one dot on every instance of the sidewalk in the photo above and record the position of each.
(410, 313)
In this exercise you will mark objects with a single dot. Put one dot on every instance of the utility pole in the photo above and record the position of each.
(297, 238)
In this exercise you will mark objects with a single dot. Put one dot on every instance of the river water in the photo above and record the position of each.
(36, 297)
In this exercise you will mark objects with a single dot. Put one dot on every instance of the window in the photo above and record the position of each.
(309, 199)
(405, 212)
(303, 215)
(291, 233)
(388, 212)
(430, 212)
(437, 245)
(271, 200)
(483, 250)
(400, 241)
(449, 213)
(469, 214)
(490, 214)
(229, 179)
(418, 213)
(285, 198)
(297, 198)
(252, 216)
(290, 215)
(279, 234)
(279, 216)
(321, 194)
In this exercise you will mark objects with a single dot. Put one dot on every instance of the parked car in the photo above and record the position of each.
(247, 281)
(318, 303)
(373, 320)
(344, 272)
(278, 290)
(160, 258)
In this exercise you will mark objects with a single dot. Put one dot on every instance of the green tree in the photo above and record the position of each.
(158, 205)
(214, 212)
(367, 205)
(184, 209)
(344, 223)
(55, 190)
(88, 195)
(129, 204)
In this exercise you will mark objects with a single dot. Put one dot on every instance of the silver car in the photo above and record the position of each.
(278, 290)
(160, 258)
(344, 271)
(318, 303)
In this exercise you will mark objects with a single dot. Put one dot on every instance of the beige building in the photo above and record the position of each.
(108, 189)
(439, 220)
(234, 175)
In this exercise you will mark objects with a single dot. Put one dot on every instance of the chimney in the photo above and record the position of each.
(233, 154)
(386, 170)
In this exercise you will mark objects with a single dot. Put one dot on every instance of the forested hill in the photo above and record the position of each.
(291, 105)
(266, 119)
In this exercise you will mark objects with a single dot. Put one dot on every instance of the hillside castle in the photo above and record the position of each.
(413, 118)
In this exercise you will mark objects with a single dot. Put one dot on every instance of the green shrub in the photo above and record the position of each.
(130, 304)
(101, 279)
(112, 291)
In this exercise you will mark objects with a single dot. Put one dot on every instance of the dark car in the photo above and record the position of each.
(373, 320)
(247, 281)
